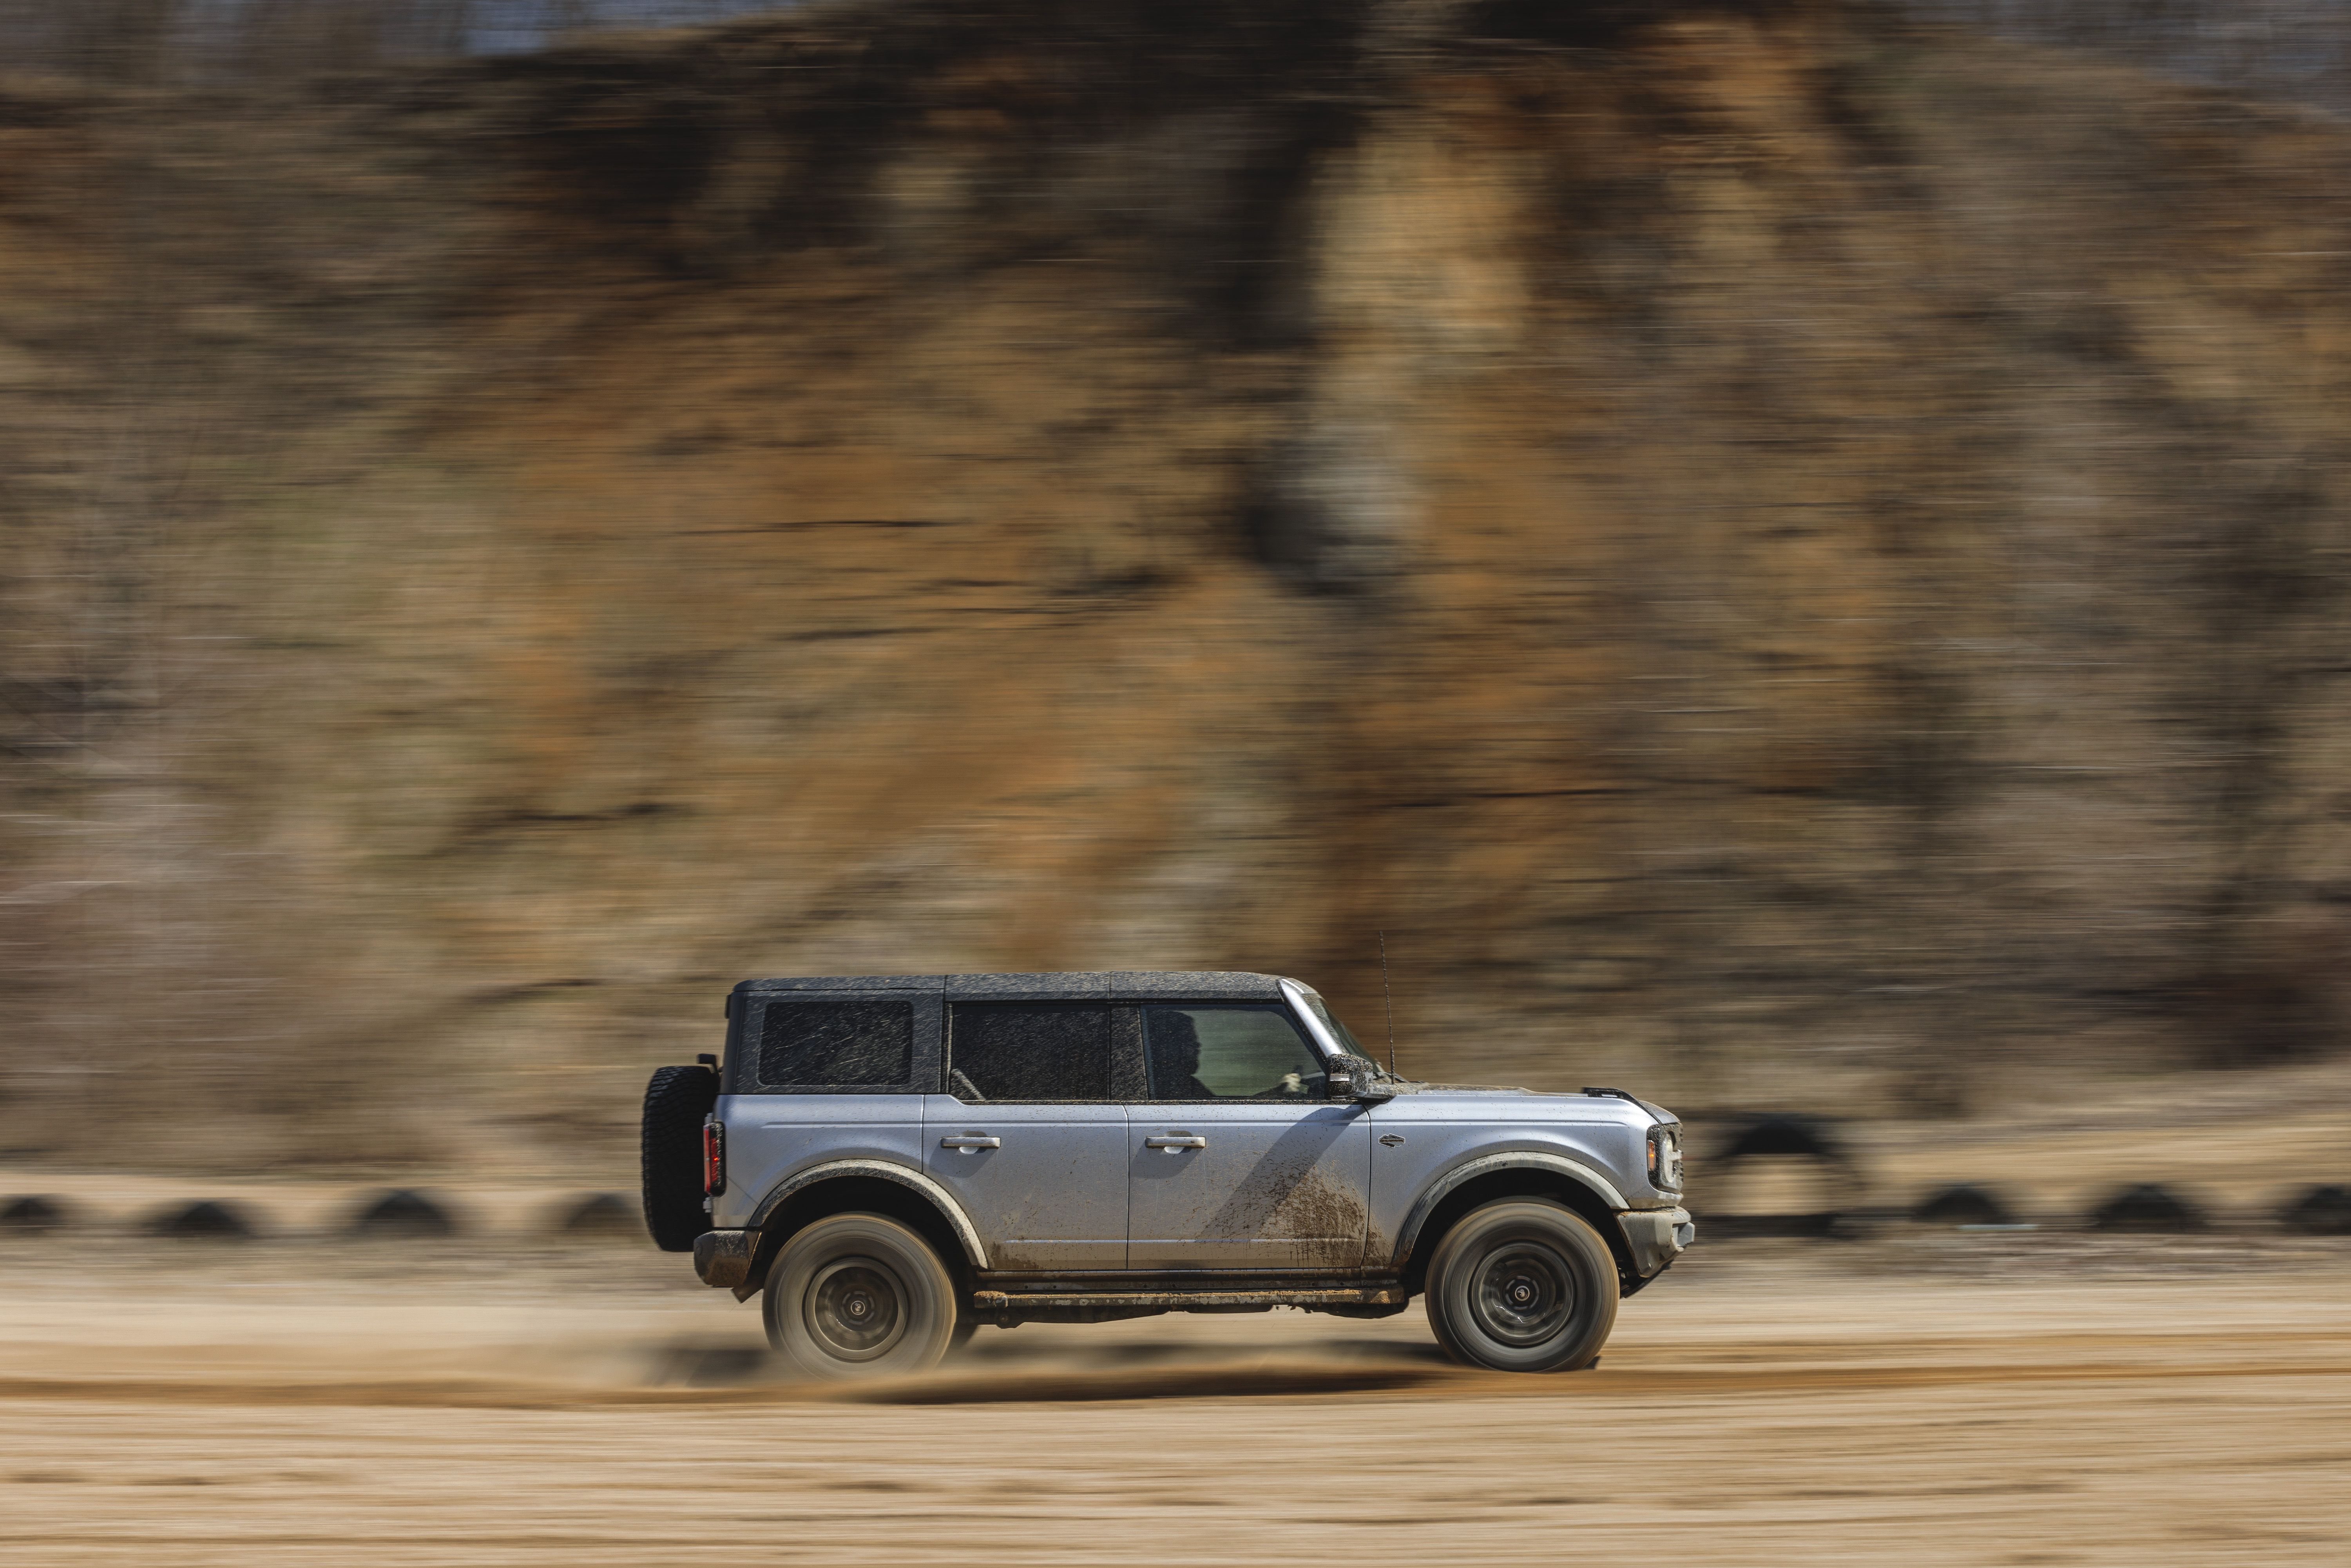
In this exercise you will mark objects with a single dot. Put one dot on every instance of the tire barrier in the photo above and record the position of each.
(1739, 1227)
(1783, 1135)
(34, 1215)
(203, 1220)
(1787, 1136)
(2321, 1211)
(2148, 1209)
(397, 1214)
(602, 1216)
(1966, 1204)
(402, 1215)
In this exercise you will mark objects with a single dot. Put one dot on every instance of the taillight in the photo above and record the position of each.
(714, 1155)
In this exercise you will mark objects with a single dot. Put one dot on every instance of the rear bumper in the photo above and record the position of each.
(1656, 1237)
(723, 1258)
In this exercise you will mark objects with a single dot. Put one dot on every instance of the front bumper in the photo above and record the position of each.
(1656, 1237)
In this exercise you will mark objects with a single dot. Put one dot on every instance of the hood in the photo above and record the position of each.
(1585, 1101)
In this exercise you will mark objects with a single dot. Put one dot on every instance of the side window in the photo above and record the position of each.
(1229, 1053)
(1007, 1051)
(845, 1044)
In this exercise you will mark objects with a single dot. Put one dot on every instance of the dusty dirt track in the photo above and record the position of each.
(1978, 1400)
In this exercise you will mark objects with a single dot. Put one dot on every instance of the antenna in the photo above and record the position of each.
(1389, 998)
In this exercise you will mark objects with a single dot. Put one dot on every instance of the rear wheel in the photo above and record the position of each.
(1523, 1285)
(859, 1295)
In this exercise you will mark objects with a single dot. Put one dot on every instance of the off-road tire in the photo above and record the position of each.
(1523, 1285)
(669, 1144)
(859, 1295)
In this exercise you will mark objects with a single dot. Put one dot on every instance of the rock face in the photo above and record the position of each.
(1745, 539)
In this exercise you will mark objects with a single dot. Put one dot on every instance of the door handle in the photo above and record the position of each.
(976, 1141)
(1180, 1141)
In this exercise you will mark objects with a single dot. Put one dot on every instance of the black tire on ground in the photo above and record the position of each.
(2321, 1211)
(601, 1215)
(402, 1215)
(1523, 1285)
(205, 1220)
(33, 1215)
(859, 1295)
(1965, 1204)
(2147, 1208)
(670, 1144)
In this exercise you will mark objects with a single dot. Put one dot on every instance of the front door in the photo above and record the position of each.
(1236, 1160)
(1028, 1137)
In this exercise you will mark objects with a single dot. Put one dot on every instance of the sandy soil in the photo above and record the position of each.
(1962, 1399)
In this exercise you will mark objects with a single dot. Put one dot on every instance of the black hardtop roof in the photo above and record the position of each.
(1109, 985)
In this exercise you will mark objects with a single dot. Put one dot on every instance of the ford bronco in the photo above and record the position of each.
(892, 1161)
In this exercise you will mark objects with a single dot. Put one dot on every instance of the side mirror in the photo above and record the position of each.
(1359, 1081)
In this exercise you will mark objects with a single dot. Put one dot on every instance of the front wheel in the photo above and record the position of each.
(859, 1295)
(1523, 1285)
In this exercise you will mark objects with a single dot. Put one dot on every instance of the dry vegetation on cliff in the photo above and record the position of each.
(1769, 541)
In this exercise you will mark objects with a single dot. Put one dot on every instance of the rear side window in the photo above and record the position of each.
(1005, 1050)
(1229, 1053)
(814, 1045)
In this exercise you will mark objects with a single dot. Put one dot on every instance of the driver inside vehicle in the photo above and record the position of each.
(1229, 1053)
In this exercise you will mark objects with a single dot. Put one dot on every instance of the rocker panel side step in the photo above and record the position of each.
(1026, 1302)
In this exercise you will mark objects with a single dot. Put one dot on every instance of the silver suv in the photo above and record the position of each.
(892, 1161)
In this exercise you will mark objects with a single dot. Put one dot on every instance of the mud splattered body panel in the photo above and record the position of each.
(1269, 1185)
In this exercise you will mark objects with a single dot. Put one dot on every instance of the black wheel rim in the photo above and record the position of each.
(1523, 1294)
(856, 1309)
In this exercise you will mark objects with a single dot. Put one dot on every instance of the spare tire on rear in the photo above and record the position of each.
(670, 1143)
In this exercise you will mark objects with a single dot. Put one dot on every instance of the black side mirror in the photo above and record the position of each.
(1356, 1079)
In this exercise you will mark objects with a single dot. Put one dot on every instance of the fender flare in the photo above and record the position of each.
(1485, 1164)
(975, 1251)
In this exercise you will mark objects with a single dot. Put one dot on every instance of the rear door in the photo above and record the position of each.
(1236, 1160)
(1029, 1136)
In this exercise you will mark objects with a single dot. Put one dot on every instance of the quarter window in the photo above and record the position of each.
(1229, 1053)
(1003, 1051)
(815, 1045)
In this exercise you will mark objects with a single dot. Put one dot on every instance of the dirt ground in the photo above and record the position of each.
(1990, 1398)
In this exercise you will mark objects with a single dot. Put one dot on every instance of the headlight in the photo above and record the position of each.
(1666, 1158)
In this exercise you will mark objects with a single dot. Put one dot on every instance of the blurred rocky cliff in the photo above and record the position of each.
(1774, 551)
